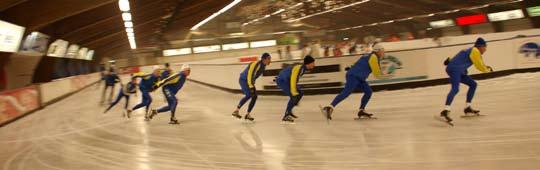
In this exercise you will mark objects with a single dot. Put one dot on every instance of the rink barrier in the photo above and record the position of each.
(18, 103)
(384, 87)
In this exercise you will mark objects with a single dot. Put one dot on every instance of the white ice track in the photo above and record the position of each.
(74, 134)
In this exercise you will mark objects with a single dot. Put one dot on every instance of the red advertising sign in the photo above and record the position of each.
(471, 19)
(248, 59)
(15, 103)
(129, 70)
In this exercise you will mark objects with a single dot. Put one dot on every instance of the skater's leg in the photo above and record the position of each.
(290, 105)
(367, 94)
(350, 85)
(246, 91)
(103, 93)
(455, 79)
(149, 101)
(111, 93)
(127, 102)
(465, 79)
(172, 104)
(145, 100)
(118, 98)
(252, 102)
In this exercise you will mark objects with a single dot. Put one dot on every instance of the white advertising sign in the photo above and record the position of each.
(72, 51)
(82, 53)
(181, 51)
(442, 23)
(266, 43)
(90, 55)
(205, 49)
(235, 46)
(58, 48)
(10, 36)
(35, 42)
(506, 15)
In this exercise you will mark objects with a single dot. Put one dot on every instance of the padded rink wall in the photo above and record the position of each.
(17, 103)
(418, 63)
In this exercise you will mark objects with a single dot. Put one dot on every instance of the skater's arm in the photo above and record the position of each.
(169, 80)
(295, 74)
(476, 58)
(140, 74)
(117, 79)
(374, 65)
(251, 74)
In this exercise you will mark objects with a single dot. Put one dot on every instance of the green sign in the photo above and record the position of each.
(534, 11)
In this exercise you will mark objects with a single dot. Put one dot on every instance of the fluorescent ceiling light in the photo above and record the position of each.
(124, 5)
(278, 11)
(216, 14)
(130, 34)
(126, 16)
(237, 34)
(129, 30)
(128, 24)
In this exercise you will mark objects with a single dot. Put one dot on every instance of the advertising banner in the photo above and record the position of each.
(82, 53)
(10, 36)
(15, 103)
(72, 51)
(528, 52)
(58, 48)
(35, 42)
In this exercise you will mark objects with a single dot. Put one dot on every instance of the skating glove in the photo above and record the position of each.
(252, 90)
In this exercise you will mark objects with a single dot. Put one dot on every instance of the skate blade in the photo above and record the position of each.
(364, 118)
(174, 123)
(442, 119)
(472, 116)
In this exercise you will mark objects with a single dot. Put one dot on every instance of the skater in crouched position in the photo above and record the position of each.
(356, 78)
(147, 82)
(125, 91)
(457, 71)
(247, 82)
(288, 79)
(171, 86)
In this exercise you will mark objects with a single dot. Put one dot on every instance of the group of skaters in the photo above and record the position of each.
(288, 81)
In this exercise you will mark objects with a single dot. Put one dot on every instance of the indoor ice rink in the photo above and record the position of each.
(58, 64)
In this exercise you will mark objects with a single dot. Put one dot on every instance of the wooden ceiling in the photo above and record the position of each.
(159, 24)
(98, 25)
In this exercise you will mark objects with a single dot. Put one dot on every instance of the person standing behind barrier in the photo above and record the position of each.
(288, 53)
(356, 78)
(110, 80)
(456, 68)
(247, 83)
(288, 79)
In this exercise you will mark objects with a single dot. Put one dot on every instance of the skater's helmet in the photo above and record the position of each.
(377, 47)
(480, 42)
(265, 56)
(186, 67)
